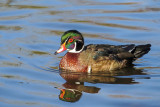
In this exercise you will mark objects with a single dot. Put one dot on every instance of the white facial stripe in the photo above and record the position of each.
(67, 39)
(74, 50)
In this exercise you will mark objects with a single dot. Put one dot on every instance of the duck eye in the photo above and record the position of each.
(70, 40)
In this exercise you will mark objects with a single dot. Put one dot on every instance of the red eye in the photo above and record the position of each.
(70, 40)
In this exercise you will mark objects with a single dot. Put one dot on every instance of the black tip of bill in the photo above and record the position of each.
(55, 53)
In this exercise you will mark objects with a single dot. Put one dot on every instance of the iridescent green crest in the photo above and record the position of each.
(71, 34)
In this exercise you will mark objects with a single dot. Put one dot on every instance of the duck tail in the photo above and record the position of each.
(141, 50)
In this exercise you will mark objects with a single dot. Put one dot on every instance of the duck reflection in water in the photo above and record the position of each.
(74, 86)
(69, 95)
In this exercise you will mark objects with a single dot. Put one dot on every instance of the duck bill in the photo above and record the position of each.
(61, 49)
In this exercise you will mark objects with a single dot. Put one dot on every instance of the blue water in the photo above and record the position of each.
(30, 33)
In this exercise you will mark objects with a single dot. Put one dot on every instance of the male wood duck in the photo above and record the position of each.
(96, 57)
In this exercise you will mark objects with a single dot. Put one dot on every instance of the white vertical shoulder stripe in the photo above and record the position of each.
(89, 69)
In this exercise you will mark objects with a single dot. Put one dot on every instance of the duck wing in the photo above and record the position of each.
(118, 52)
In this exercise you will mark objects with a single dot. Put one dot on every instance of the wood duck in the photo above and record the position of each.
(96, 57)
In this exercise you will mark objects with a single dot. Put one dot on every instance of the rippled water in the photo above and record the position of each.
(30, 32)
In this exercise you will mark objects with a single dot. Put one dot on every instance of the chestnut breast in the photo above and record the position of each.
(71, 62)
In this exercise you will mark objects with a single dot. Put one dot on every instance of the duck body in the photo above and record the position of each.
(99, 57)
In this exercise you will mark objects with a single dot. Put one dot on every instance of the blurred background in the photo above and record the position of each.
(30, 32)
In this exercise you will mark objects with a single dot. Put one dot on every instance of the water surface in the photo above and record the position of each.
(30, 33)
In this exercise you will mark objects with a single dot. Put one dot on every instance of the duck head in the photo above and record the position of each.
(72, 41)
